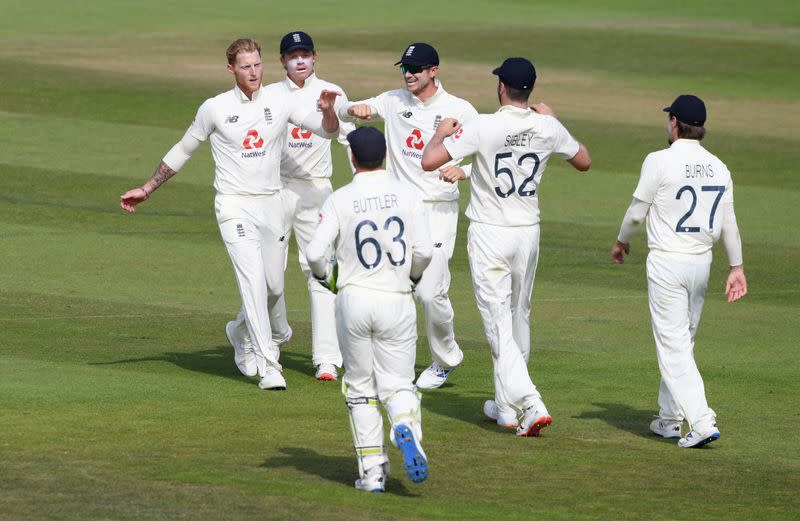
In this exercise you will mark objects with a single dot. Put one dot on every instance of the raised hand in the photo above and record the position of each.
(541, 108)
(452, 174)
(360, 111)
(326, 99)
(447, 127)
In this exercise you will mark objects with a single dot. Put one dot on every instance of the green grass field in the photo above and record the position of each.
(119, 398)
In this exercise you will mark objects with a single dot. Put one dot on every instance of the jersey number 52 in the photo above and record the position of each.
(523, 190)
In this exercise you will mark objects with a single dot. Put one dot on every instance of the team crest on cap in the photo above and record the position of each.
(296, 38)
(409, 51)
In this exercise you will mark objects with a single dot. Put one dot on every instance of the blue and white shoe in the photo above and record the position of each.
(434, 376)
(697, 439)
(669, 429)
(414, 460)
(374, 480)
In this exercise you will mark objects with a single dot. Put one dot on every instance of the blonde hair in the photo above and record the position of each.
(241, 45)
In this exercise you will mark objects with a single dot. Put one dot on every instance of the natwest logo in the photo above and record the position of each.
(253, 140)
(415, 140)
(299, 133)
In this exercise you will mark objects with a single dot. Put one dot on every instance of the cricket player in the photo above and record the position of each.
(247, 129)
(686, 195)
(380, 232)
(306, 168)
(512, 148)
(411, 116)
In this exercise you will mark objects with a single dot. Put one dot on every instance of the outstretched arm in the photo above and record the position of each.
(131, 198)
(176, 157)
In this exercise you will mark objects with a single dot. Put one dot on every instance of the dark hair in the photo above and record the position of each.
(369, 165)
(518, 95)
(687, 131)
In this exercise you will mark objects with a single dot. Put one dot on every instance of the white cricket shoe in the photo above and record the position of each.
(272, 380)
(434, 376)
(697, 439)
(244, 358)
(374, 480)
(414, 459)
(508, 420)
(326, 372)
(534, 419)
(669, 429)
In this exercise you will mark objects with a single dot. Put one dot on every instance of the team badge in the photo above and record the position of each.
(268, 116)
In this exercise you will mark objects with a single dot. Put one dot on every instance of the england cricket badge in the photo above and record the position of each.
(268, 116)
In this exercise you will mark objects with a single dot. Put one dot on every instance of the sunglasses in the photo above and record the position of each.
(413, 69)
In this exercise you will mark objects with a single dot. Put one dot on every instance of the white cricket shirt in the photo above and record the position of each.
(308, 155)
(380, 229)
(410, 124)
(689, 189)
(248, 136)
(512, 148)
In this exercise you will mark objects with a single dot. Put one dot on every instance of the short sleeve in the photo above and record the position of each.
(564, 145)
(464, 142)
(648, 180)
(203, 124)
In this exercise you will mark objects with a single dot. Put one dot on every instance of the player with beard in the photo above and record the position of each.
(241, 125)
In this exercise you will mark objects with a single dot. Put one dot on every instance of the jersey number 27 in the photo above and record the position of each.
(708, 188)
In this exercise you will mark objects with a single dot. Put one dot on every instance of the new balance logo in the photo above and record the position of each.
(282, 238)
(407, 114)
(232, 119)
(437, 244)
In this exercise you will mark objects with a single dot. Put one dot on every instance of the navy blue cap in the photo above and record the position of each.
(367, 144)
(296, 40)
(420, 54)
(688, 109)
(517, 72)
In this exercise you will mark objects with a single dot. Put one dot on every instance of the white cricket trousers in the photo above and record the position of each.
(302, 200)
(503, 260)
(432, 290)
(676, 287)
(378, 336)
(252, 229)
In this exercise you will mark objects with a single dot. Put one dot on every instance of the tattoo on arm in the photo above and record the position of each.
(159, 177)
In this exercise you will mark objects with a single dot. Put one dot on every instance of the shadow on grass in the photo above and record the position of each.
(338, 469)
(217, 361)
(623, 417)
(468, 409)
